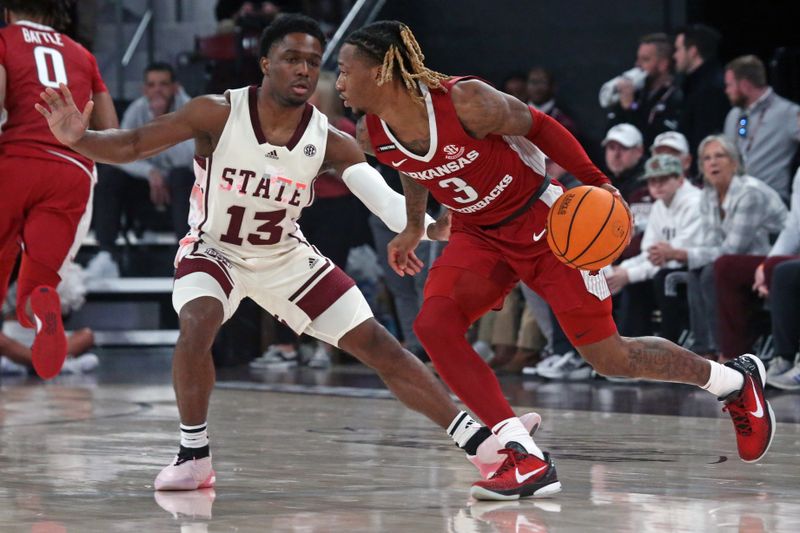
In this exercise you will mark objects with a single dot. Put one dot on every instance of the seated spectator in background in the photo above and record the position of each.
(15, 357)
(516, 85)
(738, 213)
(784, 298)
(672, 220)
(674, 143)
(764, 126)
(704, 102)
(541, 94)
(656, 106)
(743, 279)
(162, 182)
(624, 154)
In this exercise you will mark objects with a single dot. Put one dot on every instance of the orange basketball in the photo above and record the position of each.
(588, 228)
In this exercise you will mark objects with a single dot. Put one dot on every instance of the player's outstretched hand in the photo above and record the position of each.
(66, 122)
(401, 254)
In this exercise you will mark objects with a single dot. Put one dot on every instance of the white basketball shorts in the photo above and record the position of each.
(301, 288)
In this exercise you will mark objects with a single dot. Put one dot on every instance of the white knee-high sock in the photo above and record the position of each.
(512, 430)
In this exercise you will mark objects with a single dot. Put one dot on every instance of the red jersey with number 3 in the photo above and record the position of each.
(36, 57)
(482, 181)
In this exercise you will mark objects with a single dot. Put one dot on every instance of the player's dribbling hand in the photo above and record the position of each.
(66, 122)
(401, 256)
(613, 190)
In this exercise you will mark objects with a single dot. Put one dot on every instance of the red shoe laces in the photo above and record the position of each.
(509, 463)
(738, 413)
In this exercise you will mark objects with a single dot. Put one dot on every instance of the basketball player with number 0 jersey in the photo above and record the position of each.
(258, 151)
(45, 199)
(480, 153)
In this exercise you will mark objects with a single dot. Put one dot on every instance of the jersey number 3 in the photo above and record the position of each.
(468, 194)
(269, 232)
(50, 66)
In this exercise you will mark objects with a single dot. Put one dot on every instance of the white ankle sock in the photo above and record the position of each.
(511, 429)
(194, 436)
(462, 428)
(723, 380)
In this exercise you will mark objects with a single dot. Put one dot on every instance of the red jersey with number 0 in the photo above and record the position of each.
(36, 57)
(482, 181)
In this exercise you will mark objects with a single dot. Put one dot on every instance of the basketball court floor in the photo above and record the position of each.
(307, 451)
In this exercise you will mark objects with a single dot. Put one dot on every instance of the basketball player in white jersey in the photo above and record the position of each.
(258, 152)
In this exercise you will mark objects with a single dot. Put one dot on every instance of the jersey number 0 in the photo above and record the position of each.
(50, 66)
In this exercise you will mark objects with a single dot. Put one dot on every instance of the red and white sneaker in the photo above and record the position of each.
(488, 457)
(186, 474)
(751, 413)
(521, 475)
(50, 345)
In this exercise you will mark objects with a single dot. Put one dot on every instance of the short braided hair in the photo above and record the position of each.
(54, 12)
(391, 44)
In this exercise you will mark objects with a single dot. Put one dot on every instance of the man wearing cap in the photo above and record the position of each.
(624, 151)
(674, 143)
(673, 219)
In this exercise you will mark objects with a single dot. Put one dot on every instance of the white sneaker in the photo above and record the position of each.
(569, 366)
(186, 475)
(275, 359)
(83, 364)
(777, 366)
(102, 266)
(544, 364)
(10, 368)
(320, 358)
(789, 380)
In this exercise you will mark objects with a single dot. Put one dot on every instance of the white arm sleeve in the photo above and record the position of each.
(369, 186)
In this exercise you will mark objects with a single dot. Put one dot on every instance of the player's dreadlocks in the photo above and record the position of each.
(391, 44)
(54, 13)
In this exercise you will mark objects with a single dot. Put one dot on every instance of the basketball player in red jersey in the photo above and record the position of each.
(46, 188)
(249, 128)
(479, 152)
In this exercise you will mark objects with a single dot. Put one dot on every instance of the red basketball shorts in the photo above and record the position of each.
(41, 206)
(518, 251)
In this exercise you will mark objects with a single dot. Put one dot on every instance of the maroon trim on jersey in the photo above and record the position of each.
(301, 128)
(190, 265)
(310, 280)
(209, 161)
(325, 293)
(252, 98)
(200, 161)
(252, 102)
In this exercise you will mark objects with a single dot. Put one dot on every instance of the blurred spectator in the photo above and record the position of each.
(743, 279)
(516, 339)
(704, 102)
(764, 126)
(673, 220)
(624, 153)
(738, 213)
(656, 106)
(674, 143)
(15, 357)
(785, 303)
(516, 85)
(541, 90)
(142, 187)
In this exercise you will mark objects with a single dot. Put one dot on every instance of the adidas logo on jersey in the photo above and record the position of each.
(272, 155)
(312, 261)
